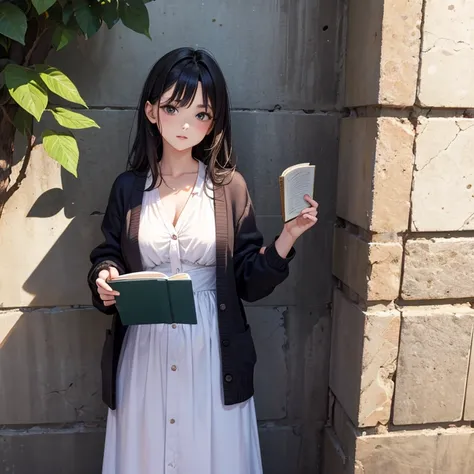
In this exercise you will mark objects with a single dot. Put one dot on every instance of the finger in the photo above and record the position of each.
(311, 218)
(309, 210)
(113, 273)
(101, 283)
(313, 203)
(104, 275)
(103, 291)
(105, 297)
(109, 303)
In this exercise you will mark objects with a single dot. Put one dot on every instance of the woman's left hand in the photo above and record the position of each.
(306, 219)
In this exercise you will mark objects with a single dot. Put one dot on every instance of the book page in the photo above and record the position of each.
(145, 275)
(180, 276)
(298, 183)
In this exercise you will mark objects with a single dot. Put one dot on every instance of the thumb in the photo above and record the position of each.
(113, 273)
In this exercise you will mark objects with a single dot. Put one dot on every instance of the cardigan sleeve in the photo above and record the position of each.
(256, 274)
(109, 252)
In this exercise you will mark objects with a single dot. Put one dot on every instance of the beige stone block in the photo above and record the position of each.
(469, 402)
(447, 71)
(449, 451)
(50, 366)
(443, 187)
(383, 43)
(363, 360)
(371, 269)
(433, 362)
(375, 173)
(438, 268)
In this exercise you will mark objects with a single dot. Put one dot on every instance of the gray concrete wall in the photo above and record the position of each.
(282, 62)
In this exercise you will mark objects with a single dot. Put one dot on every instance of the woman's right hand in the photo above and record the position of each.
(107, 295)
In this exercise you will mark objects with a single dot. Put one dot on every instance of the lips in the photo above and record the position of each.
(181, 137)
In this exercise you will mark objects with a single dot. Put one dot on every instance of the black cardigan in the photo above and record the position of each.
(241, 272)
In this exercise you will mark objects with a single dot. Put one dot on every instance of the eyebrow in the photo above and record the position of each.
(201, 106)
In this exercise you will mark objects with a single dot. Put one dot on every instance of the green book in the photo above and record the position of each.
(154, 298)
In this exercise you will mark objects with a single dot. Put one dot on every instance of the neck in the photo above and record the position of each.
(176, 162)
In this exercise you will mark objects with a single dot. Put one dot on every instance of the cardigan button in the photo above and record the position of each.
(226, 343)
(228, 378)
(222, 307)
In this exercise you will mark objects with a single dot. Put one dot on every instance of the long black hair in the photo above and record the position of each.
(184, 69)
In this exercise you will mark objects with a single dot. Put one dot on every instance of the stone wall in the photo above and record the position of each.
(401, 379)
(282, 62)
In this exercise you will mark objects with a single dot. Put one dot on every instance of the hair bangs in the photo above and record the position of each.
(185, 80)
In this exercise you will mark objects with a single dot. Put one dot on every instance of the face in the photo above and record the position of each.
(181, 127)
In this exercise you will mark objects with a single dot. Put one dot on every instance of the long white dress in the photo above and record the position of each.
(170, 416)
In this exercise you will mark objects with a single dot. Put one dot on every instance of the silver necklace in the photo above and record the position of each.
(170, 187)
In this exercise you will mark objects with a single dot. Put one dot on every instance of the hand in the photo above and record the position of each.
(304, 221)
(107, 295)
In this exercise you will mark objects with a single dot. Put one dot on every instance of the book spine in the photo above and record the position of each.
(282, 197)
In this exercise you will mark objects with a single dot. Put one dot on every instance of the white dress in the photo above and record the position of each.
(170, 416)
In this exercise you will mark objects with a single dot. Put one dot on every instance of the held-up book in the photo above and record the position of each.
(295, 182)
(154, 298)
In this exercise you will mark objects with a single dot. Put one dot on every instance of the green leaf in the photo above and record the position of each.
(62, 147)
(59, 83)
(87, 18)
(26, 89)
(23, 122)
(134, 15)
(42, 5)
(69, 119)
(110, 13)
(67, 13)
(62, 37)
(12, 22)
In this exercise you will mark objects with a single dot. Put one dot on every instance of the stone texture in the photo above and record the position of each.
(43, 451)
(443, 192)
(433, 363)
(447, 74)
(371, 269)
(50, 366)
(469, 401)
(375, 173)
(283, 53)
(412, 452)
(271, 377)
(363, 360)
(438, 268)
(383, 43)
(58, 212)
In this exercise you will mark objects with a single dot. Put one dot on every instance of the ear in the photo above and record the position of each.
(150, 112)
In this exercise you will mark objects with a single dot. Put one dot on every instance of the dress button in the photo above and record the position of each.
(173, 368)
(222, 307)
(174, 326)
(172, 421)
(226, 343)
(174, 237)
(228, 378)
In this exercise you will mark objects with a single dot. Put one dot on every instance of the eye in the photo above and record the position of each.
(170, 110)
(203, 116)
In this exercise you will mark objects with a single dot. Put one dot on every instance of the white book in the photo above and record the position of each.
(295, 182)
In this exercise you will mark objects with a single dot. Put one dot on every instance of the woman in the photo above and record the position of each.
(181, 396)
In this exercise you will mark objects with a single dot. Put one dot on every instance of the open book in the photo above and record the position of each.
(154, 298)
(295, 182)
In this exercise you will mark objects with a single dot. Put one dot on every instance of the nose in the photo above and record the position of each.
(185, 126)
